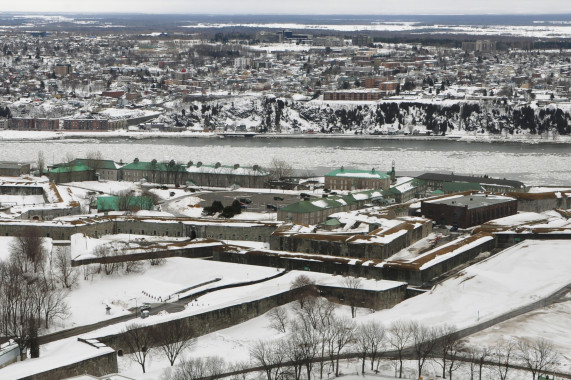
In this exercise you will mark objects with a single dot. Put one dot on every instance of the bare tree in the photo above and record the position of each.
(293, 356)
(538, 355)
(306, 287)
(174, 337)
(424, 341)
(343, 332)
(196, 368)
(270, 356)
(29, 248)
(107, 261)
(94, 160)
(134, 266)
(449, 345)
(41, 163)
(278, 319)
(306, 341)
(370, 338)
(353, 284)
(503, 355)
(399, 338)
(138, 340)
(482, 354)
(53, 305)
(67, 274)
(280, 169)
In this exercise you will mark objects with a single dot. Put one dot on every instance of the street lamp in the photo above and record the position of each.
(136, 306)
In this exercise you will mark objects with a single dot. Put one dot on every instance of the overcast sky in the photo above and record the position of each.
(293, 6)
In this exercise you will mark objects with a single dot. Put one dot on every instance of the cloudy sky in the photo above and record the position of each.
(294, 6)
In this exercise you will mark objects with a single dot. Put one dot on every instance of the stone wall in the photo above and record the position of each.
(215, 320)
(342, 245)
(190, 252)
(218, 319)
(371, 299)
(97, 366)
(403, 274)
(507, 239)
(95, 227)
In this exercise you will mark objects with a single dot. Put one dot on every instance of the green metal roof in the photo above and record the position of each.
(120, 203)
(318, 204)
(100, 164)
(74, 168)
(331, 222)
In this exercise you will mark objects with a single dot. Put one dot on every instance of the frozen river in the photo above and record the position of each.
(533, 164)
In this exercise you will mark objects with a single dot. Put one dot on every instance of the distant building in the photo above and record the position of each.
(13, 169)
(353, 95)
(314, 211)
(106, 170)
(468, 210)
(362, 40)
(155, 172)
(62, 69)
(435, 181)
(72, 173)
(352, 179)
(85, 124)
(484, 46)
(224, 176)
(32, 124)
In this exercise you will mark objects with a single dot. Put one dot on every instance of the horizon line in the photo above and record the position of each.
(567, 13)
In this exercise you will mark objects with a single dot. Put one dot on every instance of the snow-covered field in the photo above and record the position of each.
(513, 278)
(124, 291)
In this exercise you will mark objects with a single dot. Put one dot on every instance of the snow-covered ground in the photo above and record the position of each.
(551, 323)
(54, 355)
(513, 278)
(124, 291)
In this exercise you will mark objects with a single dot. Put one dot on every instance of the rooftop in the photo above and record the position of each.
(464, 178)
(472, 201)
(357, 173)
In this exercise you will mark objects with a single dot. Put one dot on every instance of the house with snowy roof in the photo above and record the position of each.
(219, 175)
(313, 211)
(356, 179)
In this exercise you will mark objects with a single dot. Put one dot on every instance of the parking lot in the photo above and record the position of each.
(260, 201)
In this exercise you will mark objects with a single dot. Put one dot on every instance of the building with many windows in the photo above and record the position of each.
(354, 179)
(468, 210)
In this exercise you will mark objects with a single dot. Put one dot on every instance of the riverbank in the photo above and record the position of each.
(9, 135)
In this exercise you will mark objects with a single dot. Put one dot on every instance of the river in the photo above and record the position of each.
(533, 164)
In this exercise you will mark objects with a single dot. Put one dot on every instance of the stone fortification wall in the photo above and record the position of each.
(371, 299)
(540, 202)
(190, 252)
(218, 319)
(98, 226)
(374, 270)
(507, 239)
(215, 320)
(346, 246)
(97, 366)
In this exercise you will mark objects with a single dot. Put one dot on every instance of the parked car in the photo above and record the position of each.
(278, 199)
(145, 306)
(272, 207)
(246, 201)
(304, 195)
